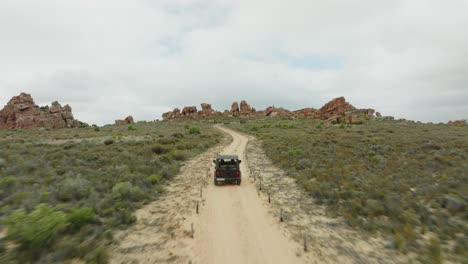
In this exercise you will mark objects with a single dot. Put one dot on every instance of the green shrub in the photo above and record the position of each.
(98, 256)
(131, 128)
(154, 178)
(7, 182)
(108, 141)
(73, 188)
(178, 135)
(194, 130)
(158, 149)
(36, 231)
(177, 155)
(80, 217)
(126, 191)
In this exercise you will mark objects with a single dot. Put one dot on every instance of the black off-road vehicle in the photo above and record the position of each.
(227, 169)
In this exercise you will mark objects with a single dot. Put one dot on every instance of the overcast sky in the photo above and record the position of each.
(113, 58)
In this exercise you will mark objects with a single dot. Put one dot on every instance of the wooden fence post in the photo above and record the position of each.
(305, 243)
(192, 231)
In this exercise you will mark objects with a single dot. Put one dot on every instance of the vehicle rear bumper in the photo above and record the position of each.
(228, 180)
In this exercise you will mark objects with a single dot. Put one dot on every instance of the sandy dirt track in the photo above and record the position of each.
(234, 226)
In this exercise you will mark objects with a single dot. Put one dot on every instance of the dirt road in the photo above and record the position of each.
(234, 226)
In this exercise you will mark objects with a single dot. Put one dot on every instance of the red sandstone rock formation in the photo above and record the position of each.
(172, 114)
(457, 122)
(189, 110)
(276, 111)
(245, 109)
(337, 110)
(206, 110)
(368, 111)
(235, 109)
(21, 112)
(305, 112)
(335, 107)
(127, 121)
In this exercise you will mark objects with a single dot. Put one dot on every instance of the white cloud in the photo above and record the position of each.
(109, 58)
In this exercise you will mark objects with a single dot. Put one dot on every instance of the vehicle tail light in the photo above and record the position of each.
(218, 173)
(237, 173)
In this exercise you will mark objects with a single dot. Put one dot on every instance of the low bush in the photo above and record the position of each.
(108, 141)
(73, 188)
(194, 130)
(126, 191)
(154, 178)
(159, 149)
(80, 217)
(37, 230)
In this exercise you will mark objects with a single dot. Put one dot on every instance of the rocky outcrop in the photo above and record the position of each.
(206, 109)
(335, 107)
(306, 112)
(276, 111)
(368, 111)
(457, 122)
(189, 110)
(127, 121)
(235, 109)
(22, 113)
(335, 111)
(245, 108)
(172, 114)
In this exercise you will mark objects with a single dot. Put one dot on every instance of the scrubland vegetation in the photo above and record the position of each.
(408, 181)
(63, 192)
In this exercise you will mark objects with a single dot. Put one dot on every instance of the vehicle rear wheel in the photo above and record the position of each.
(215, 182)
(238, 182)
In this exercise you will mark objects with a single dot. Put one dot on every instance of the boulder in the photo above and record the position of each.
(129, 120)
